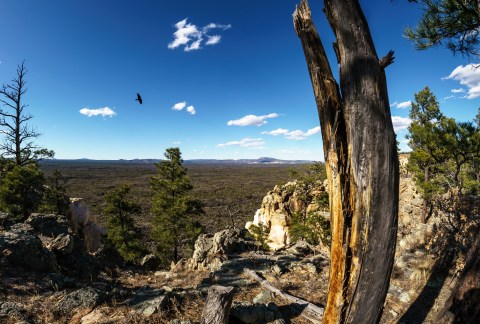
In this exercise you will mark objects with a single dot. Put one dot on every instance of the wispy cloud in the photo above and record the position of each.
(295, 134)
(459, 90)
(468, 75)
(212, 40)
(177, 142)
(250, 143)
(400, 123)
(401, 105)
(104, 112)
(448, 97)
(191, 110)
(191, 36)
(179, 105)
(251, 120)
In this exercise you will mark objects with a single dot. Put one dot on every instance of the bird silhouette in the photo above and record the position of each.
(139, 98)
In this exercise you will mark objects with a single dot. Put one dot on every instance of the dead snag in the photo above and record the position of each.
(361, 159)
(217, 306)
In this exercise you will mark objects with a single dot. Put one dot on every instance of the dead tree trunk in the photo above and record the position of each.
(361, 160)
(217, 306)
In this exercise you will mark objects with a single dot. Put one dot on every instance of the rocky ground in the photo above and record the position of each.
(47, 276)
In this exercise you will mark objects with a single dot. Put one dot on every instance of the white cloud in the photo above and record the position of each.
(191, 110)
(212, 40)
(247, 142)
(251, 120)
(295, 134)
(400, 123)
(276, 132)
(448, 97)
(401, 105)
(177, 143)
(460, 90)
(179, 106)
(191, 37)
(468, 75)
(105, 112)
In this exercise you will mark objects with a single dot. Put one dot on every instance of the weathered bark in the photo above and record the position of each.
(306, 309)
(361, 159)
(217, 306)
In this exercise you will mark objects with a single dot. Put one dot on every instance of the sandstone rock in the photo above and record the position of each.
(300, 248)
(279, 205)
(21, 247)
(150, 262)
(78, 299)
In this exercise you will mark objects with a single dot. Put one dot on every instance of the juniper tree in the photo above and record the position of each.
(21, 190)
(174, 225)
(121, 232)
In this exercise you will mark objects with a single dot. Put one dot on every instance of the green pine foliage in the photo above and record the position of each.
(312, 228)
(175, 228)
(445, 153)
(21, 190)
(260, 234)
(121, 232)
(450, 23)
(55, 199)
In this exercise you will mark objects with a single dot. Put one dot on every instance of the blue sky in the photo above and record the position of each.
(219, 79)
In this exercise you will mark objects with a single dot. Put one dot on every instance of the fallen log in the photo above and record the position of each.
(217, 306)
(307, 310)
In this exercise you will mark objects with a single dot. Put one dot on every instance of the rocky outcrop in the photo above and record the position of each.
(281, 203)
(212, 249)
(21, 247)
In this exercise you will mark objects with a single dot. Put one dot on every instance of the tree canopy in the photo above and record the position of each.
(454, 24)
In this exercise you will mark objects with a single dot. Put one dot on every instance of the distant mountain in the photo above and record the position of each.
(261, 160)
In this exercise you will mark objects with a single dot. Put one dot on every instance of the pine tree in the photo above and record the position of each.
(174, 225)
(121, 232)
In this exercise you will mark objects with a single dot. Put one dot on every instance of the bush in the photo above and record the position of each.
(21, 190)
(314, 229)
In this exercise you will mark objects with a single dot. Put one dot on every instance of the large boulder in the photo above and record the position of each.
(280, 204)
(50, 225)
(21, 247)
(78, 299)
(212, 249)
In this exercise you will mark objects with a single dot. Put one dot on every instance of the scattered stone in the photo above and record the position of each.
(22, 248)
(81, 298)
(251, 313)
(264, 297)
(405, 297)
(99, 316)
(149, 301)
(59, 282)
(63, 244)
(300, 248)
(9, 309)
(150, 262)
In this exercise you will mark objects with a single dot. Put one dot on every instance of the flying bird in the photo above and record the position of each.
(139, 98)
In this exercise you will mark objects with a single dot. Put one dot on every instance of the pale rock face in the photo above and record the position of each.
(85, 224)
(277, 208)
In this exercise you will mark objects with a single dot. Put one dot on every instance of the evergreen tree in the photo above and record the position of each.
(174, 226)
(444, 152)
(55, 199)
(121, 231)
(21, 190)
